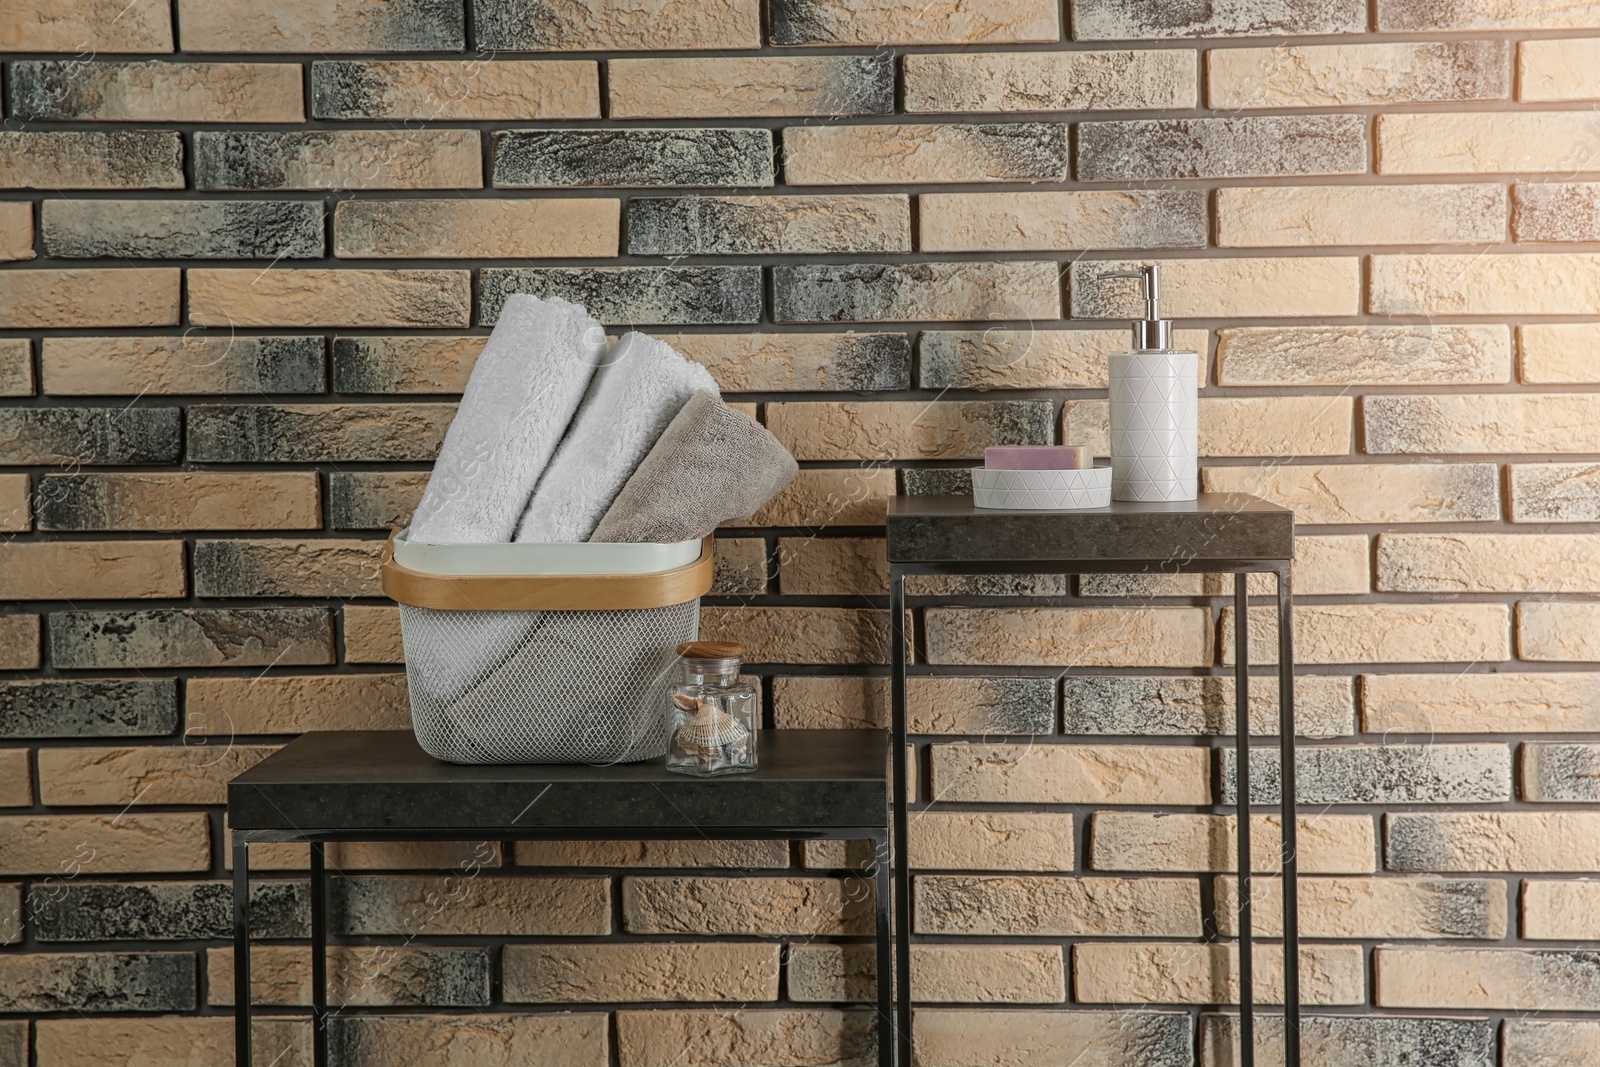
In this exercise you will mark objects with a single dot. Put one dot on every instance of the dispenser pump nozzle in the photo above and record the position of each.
(1151, 333)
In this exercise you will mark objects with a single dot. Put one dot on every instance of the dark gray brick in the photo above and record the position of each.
(152, 229)
(1129, 706)
(373, 500)
(1555, 211)
(301, 433)
(208, 637)
(164, 911)
(1261, 146)
(900, 292)
(90, 436)
(1380, 774)
(243, 567)
(1359, 1041)
(525, 159)
(988, 584)
(91, 159)
(97, 982)
(937, 481)
(104, 707)
(752, 225)
(1403, 15)
(626, 296)
(347, 89)
(1115, 20)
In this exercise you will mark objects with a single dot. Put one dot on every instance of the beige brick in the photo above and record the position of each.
(310, 26)
(1553, 211)
(1554, 492)
(1364, 355)
(1558, 633)
(16, 367)
(19, 642)
(935, 705)
(372, 635)
(1560, 910)
(1344, 74)
(1524, 841)
(748, 87)
(1368, 492)
(797, 362)
(153, 366)
(269, 704)
(1182, 973)
(464, 856)
(1487, 563)
(1288, 287)
(830, 566)
(1010, 222)
(1483, 15)
(476, 229)
(1070, 774)
(86, 298)
(1532, 284)
(1326, 565)
(739, 567)
(905, 429)
(1084, 637)
(747, 906)
(757, 225)
(493, 1039)
(941, 974)
(1559, 353)
(467, 902)
(1550, 1042)
(886, 22)
(1053, 906)
(69, 845)
(426, 363)
(919, 291)
(830, 498)
(434, 90)
(16, 508)
(701, 853)
(16, 230)
(167, 1040)
(716, 1036)
(16, 779)
(1281, 426)
(1478, 979)
(183, 500)
(1372, 908)
(1118, 80)
(191, 773)
(1525, 422)
(361, 976)
(1146, 841)
(90, 26)
(588, 974)
(134, 159)
(91, 570)
(617, 26)
(329, 297)
(165, 92)
(1380, 633)
(319, 567)
(800, 634)
(339, 159)
(1542, 702)
(979, 1038)
(1562, 69)
(1317, 216)
(1502, 142)
(990, 841)
(1028, 359)
(907, 153)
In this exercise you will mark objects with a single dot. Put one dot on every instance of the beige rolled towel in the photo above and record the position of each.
(712, 465)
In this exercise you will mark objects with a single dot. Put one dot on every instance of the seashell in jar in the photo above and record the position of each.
(710, 727)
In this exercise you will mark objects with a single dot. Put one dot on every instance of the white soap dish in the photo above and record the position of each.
(1066, 490)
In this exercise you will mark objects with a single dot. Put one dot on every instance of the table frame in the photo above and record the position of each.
(1241, 569)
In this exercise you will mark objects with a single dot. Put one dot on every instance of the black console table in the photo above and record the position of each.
(1228, 533)
(375, 785)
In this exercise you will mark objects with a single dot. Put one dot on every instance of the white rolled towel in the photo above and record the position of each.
(639, 389)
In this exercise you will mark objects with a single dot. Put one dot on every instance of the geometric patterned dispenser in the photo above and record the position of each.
(1154, 407)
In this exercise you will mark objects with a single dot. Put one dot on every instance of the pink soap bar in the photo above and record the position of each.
(1037, 458)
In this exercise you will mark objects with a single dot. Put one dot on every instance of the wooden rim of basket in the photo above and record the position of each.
(546, 592)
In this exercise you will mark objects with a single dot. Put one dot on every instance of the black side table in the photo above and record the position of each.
(1229, 533)
(375, 785)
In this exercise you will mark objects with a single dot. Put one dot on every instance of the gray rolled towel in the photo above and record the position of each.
(712, 465)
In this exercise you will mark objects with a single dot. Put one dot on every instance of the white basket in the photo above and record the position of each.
(544, 653)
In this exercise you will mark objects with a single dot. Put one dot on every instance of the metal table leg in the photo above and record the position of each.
(902, 862)
(888, 1016)
(319, 956)
(1291, 864)
(241, 950)
(1241, 711)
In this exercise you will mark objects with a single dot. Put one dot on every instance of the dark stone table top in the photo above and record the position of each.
(1217, 526)
(347, 781)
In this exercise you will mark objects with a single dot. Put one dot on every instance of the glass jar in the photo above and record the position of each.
(714, 715)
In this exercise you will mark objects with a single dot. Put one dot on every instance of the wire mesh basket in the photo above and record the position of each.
(544, 653)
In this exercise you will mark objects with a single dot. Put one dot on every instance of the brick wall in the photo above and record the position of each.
(253, 251)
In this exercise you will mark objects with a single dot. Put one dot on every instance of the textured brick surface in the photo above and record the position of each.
(194, 500)
(1093, 1038)
(1094, 19)
(100, 25)
(1556, 70)
(1344, 74)
(1488, 143)
(69, 845)
(87, 298)
(386, 975)
(1214, 288)
(1070, 774)
(1056, 907)
(914, 152)
(999, 358)
(1179, 973)
(134, 159)
(632, 295)
(447, 89)
(1324, 706)
(1491, 841)
(200, 637)
(733, 88)
(1142, 841)
(1365, 355)
(67, 90)
(944, 291)
(525, 159)
(288, 433)
(463, 229)
(1006, 974)
(612, 25)
(1058, 81)
(1367, 492)
(1380, 774)
(219, 297)
(817, 1036)
(1397, 908)
(338, 159)
(1272, 216)
(196, 364)
(1000, 222)
(883, 22)
(310, 26)
(1359, 1041)
(110, 707)
(1252, 147)
(698, 226)
(150, 981)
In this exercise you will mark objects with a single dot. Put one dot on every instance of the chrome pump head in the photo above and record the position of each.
(1151, 333)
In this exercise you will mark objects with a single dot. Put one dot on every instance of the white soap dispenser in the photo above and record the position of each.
(1154, 406)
